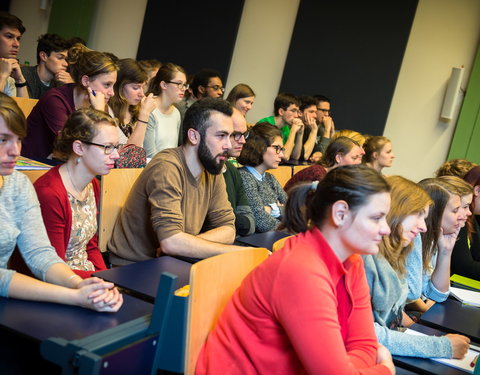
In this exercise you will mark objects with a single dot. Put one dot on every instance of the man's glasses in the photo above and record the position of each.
(237, 135)
(180, 85)
(324, 110)
(107, 149)
(278, 149)
(216, 88)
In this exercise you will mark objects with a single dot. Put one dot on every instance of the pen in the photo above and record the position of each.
(474, 362)
(93, 92)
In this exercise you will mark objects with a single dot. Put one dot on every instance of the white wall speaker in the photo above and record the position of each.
(451, 95)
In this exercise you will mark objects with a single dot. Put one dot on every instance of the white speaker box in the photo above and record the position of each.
(451, 95)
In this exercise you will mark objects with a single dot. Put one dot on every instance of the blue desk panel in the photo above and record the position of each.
(142, 278)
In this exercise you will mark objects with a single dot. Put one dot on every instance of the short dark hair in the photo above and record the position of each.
(201, 78)
(198, 115)
(49, 43)
(9, 20)
(283, 101)
(261, 136)
(307, 101)
(240, 91)
(321, 98)
(342, 146)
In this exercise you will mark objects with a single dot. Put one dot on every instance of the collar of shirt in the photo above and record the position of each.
(255, 173)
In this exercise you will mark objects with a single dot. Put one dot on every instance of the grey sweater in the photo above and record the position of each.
(389, 293)
(21, 224)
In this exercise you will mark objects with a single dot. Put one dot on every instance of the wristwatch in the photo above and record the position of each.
(23, 84)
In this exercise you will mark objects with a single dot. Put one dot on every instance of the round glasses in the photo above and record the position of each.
(237, 135)
(107, 149)
(278, 149)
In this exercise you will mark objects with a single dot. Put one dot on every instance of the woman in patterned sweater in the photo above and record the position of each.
(262, 151)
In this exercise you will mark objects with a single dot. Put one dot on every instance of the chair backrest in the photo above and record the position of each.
(26, 104)
(115, 188)
(298, 168)
(279, 244)
(34, 174)
(212, 283)
(283, 173)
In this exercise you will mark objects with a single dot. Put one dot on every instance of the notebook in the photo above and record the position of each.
(467, 297)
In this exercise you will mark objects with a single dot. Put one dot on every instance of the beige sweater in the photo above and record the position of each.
(167, 199)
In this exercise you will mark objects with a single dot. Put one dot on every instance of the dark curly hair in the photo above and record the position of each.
(261, 136)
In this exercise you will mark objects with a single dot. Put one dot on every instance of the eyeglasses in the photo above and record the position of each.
(324, 110)
(180, 85)
(278, 149)
(107, 149)
(237, 135)
(216, 88)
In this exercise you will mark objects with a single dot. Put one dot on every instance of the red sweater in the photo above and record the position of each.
(301, 311)
(315, 172)
(57, 216)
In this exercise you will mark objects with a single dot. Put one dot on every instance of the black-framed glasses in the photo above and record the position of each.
(216, 88)
(107, 149)
(324, 110)
(278, 149)
(237, 135)
(180, 85)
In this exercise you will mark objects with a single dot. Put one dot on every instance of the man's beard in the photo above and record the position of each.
(209, 161)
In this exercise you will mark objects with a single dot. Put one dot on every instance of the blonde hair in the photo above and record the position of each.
(373, 144)
(13, 116)
(407, 198)
(455, 167)
(461, 186)
(352, 134)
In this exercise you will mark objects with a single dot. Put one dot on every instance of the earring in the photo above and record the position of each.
(78, 160)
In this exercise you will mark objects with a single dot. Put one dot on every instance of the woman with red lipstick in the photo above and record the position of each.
(387, 272)
(263, 150)
(429, 262)
(164, 130)
(94, 74)
(69, 193)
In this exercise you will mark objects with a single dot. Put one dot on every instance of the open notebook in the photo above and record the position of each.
(467, 297)
(463, 364)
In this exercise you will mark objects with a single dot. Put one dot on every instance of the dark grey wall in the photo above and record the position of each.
(351, 52)
(193, 34)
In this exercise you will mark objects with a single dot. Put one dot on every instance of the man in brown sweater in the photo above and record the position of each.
(180, 192)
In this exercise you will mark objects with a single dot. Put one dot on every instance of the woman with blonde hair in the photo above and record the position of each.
(164, 130)
(378, 152)
(94, 74)
(429, 262)
(386, 276)
(356, 136)
(455, 167)
(341, 151)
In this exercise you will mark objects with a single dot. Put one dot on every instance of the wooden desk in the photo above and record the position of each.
(453, 317)
(265, 240)
(141, 279)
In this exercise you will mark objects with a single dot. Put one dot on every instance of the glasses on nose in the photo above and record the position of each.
(216, 88)
(237, 135)
(107, 149)
(278, 149)
(180, 85)
(324, 110)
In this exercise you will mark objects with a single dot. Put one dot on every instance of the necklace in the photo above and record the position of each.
(73, 183)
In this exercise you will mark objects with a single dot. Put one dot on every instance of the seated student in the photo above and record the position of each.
(69, 194)
(132, 109)
(168, 86)
(326, 127)
(352, 134)
(294, 314)
(285, 118)
(341, 151)
(150, 67)
(179, 193)
(94, 74)
(241, 97)
(455, 167)
(466, 252)
(378, 152)
(428, 265)
(386, 276)
(308, 114)
(51, 68)
(12, 81)
(244, 219)
(263, 151)
(22, 226)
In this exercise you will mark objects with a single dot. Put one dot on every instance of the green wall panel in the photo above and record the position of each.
(72, 18)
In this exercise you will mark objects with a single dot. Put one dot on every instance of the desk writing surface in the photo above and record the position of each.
(142, 278)
(453, 316)
(42, 320)
(266, 239)
(425, 365)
